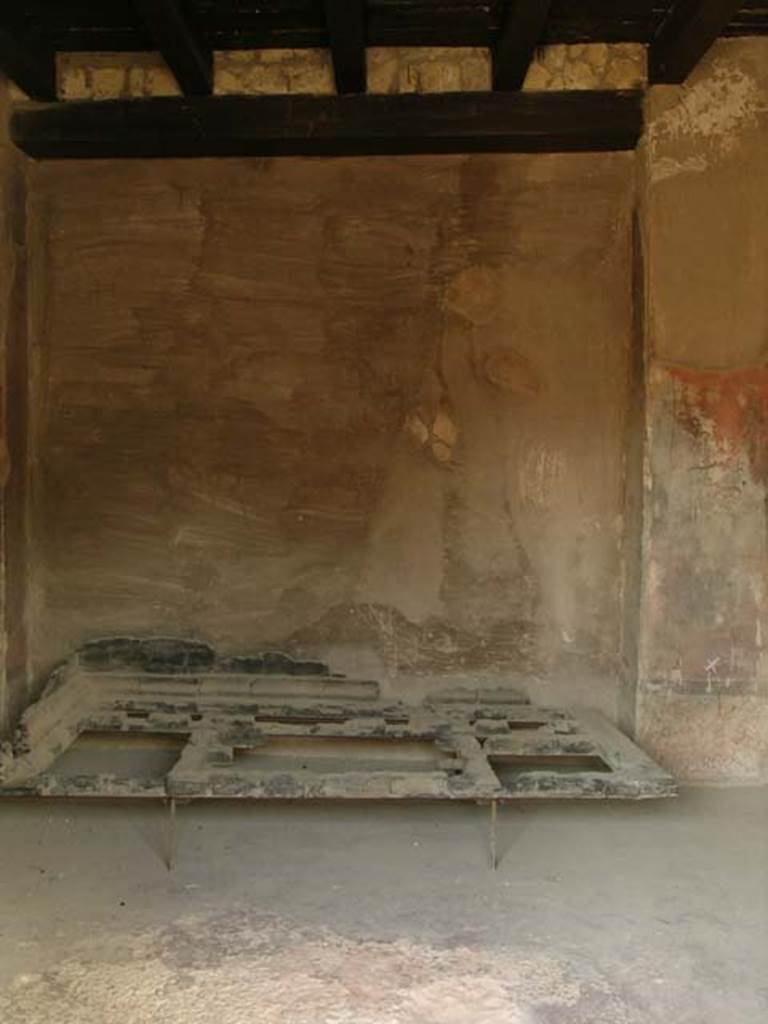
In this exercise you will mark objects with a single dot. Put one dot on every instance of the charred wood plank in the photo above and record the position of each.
(346, 31)
(28, 63)
(189, 60)
(684, 37)
(94, 25)
(511, 122)
(521, 32)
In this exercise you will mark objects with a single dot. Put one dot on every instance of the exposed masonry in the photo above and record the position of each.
(190, 724)
(390, 70)
(588, 66)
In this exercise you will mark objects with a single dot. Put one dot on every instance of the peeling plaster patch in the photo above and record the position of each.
(444, 428)
(712, 112)
(431, 646)
(473, 293)
(508, 371)
(668, 167)
(437, 437)
(730, 407)
(542, 473)
(415, 427)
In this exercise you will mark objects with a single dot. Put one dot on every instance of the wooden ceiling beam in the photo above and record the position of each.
(111, 25)
(685, 35)
(511, 122)
(189, 60)
(28, 63)
(346, 30)
(521, 32)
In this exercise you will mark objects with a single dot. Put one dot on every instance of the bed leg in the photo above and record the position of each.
(493, 850)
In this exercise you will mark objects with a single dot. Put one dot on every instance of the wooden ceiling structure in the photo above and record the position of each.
(186, 32)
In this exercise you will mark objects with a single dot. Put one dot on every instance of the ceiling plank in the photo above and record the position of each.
(28, 63)
(111, 25)
(685, 35)
(521, 32)
(189, 60)
(346, 30)
(512, 122)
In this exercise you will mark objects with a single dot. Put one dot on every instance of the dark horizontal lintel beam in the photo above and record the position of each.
(346, 33)
(190, 62)
(28, 63)
(522, 30)
(501, 122)
(685, 35)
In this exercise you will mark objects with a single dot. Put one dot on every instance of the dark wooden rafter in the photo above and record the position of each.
(519, 122)
(190, 61)
(346, 31)
(686, 34)
(28, 63)
(114, 25)
(521, 31)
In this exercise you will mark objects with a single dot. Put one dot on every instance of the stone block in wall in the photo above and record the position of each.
(398, 69)
(112, 76)
(259, 72)
(391, 69)
(588, 66)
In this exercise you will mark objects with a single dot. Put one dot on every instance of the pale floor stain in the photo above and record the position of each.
(243, 967)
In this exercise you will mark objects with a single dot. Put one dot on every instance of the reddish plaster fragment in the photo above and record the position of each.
(729, 405)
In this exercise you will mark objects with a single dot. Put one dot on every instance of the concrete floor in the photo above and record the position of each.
(599, 914)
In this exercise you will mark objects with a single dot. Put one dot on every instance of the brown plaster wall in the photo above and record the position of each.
(370, 410)
(423, 418)
(13, 450)
(703, 671)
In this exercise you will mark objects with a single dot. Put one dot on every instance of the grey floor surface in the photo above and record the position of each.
(601, 913)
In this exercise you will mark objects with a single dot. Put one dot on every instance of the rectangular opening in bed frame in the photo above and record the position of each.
(508, 767)
(124, 755)
(343, 754)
